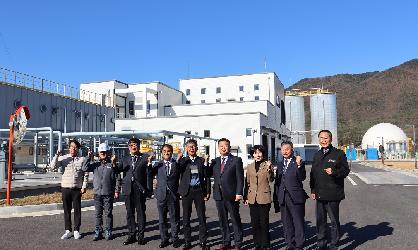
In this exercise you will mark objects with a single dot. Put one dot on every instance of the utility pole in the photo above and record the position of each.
(414, 144)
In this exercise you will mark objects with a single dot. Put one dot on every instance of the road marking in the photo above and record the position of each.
(352, 181)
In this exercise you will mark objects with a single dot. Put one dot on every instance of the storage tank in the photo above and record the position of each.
(324, 115)
(295, 118)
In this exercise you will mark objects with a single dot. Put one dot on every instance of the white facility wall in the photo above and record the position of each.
(230, 88)
(232, 127)
(219, 108)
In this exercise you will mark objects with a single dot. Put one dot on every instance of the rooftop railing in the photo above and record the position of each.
(45, 85)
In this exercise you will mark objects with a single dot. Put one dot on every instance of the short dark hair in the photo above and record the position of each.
(191, 141)
(134, 140)
(287, 143)
(167, 146)
(325, 131)
(225, 140)
(77, 143)
(259, 148)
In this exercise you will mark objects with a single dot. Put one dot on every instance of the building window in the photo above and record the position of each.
(218, 100)
(249, 151)
(187, 91)
(203, 91)
(206, 133)
(248, 132)
(241, 99)
(187, 102)
(202, 101)
(131, 108)
(256, 98)
(218, 90)
(241, 88)
(148, 106)
(30, 150)
(256, 86)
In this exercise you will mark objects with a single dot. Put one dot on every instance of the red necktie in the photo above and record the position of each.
(222, 164)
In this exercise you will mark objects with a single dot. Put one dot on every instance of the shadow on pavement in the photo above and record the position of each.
(358, 236)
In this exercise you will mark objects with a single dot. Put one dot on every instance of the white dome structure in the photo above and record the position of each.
(391, 134)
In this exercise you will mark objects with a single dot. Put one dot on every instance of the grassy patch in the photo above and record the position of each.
(44, 199)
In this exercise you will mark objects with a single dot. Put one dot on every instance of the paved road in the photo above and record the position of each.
(373, 216)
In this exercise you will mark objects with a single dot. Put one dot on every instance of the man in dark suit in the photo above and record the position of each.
(329, 169)
(194, 187)
(290, 196)
(228, 174)
(135, 190)
(168, 174)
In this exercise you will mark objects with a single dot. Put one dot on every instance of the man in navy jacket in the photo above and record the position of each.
(290, 196)
(228, 174)
(168, 173)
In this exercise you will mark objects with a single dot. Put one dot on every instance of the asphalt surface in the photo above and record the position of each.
(373, 216)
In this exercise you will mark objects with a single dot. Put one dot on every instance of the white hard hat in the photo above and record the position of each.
(103, 147)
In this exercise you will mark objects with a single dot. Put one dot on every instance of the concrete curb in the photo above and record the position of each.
(15, 210)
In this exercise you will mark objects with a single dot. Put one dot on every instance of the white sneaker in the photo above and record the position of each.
(66, 235)
(77, 235)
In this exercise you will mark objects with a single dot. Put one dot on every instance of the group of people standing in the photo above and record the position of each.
(188, 179)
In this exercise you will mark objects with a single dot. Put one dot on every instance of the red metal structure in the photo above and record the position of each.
(17, 122)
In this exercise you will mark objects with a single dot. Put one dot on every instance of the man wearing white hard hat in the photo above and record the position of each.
(105, 189)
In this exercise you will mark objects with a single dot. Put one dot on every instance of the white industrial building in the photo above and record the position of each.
(247, 109)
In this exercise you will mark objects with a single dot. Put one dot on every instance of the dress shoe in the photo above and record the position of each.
(130, 240)
(141, 241)
(187, 246)
(164, 244)
(176, 243)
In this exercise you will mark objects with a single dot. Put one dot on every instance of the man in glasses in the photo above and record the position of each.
(135, 190)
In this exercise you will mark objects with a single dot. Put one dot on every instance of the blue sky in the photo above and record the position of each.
(139, 41)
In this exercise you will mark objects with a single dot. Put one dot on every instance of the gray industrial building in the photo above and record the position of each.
(52, 105)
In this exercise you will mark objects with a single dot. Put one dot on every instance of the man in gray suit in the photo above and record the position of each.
(168, 174)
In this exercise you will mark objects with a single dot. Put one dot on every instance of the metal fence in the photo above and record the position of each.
(44, 85)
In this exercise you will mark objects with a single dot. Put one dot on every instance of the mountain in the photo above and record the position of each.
(366, 99)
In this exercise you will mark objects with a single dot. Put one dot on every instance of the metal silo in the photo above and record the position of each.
(295, 118)
(324, 115)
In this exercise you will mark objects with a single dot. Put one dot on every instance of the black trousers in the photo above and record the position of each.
(135, 201)
(71, 198)
(232, 207)
(104, 203)
(259, 214)
(332, 209)
(293, 219)
(195, 195)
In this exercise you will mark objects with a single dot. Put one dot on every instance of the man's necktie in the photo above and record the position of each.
(223, 164)
(285, 166)
(167, 168)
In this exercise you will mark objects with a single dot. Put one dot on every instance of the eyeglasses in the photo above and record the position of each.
(103, 152)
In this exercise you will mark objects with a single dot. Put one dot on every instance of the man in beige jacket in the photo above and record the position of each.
(73, 185)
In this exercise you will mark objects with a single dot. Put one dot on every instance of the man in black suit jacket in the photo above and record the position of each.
(194, 187)
(290, 196)
(228, 174)
(329, 169)
(168, 174)
(135, 190)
